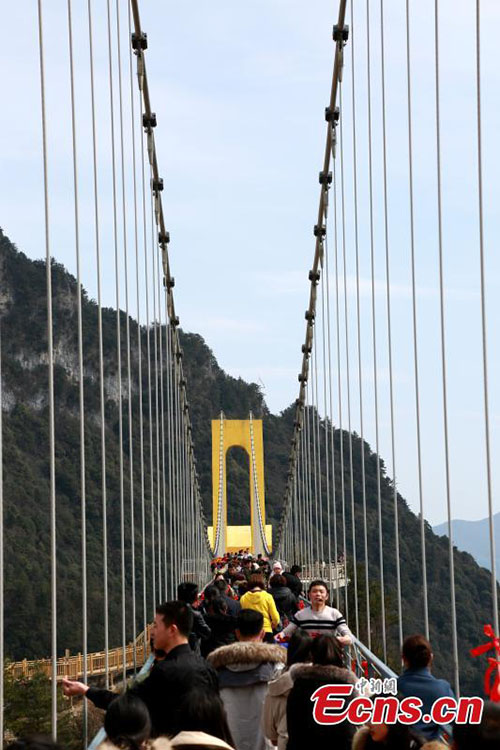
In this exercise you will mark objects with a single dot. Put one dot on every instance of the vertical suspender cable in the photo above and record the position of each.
(296, 535)
(139, 336)
(339, 390)
(175, 454)
(79, 292)
(148, 354)
(185, 472)
(374, 339)
(188, 488)
(127, 333)
(127, 329)
(175, 394)
(415, 337)
(162, 420)
(2, 634)
(118, 343)
(317, 483)
(318, 420)
(149, 329)
(332, 427)
(358, 321)
(168, 369)
(101, 356)
(154, 257)
(327, 418)
(307, 422)
(53, 560)
(443, 361)
(301, 499)
(483, 321)
(182, 484)
(389, 333)
(176, 461)
(305, 480)
(348, 374)
(300, 472)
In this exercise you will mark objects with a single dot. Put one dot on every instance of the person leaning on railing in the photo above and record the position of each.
(170, 679)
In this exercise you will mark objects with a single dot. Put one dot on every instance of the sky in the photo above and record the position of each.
(240, 90)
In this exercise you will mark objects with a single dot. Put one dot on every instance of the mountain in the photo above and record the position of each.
(210, 389)
(474, 537)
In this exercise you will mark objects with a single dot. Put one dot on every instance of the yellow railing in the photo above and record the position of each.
(73, 666)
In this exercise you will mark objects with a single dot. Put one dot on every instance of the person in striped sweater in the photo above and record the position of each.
(319, 618)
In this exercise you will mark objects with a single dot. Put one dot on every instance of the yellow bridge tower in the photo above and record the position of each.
(247, 434)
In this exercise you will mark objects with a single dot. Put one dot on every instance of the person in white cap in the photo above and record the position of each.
(277, 568)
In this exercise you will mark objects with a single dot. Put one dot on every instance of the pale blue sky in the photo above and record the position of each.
(239, 90)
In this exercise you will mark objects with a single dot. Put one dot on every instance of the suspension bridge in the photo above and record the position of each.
(339, 502)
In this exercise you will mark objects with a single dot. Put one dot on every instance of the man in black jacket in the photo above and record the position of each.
(169, 680)
(293, 581)
(187, 592)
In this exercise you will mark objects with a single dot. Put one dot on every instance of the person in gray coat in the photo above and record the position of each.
(244, 670)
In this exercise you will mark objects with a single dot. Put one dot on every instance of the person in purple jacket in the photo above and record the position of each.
(417, 681)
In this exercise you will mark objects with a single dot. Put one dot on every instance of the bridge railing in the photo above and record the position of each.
(326, 571)
(136, 655)
(364, 663)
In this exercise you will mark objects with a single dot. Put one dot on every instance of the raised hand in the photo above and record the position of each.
(73, 687)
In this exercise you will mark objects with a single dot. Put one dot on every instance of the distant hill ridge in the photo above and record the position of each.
(474, 537)
(210, 390)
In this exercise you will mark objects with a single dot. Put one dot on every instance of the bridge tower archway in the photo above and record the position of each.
(248, 435)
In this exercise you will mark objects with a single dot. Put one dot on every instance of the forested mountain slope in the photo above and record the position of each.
(210, 390)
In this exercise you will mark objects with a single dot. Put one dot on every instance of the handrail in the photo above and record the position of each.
(378, 665)
(73, 666)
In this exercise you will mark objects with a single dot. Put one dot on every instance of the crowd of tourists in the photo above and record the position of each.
(236, 664)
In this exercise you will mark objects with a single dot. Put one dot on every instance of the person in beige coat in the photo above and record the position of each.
(274, 714)
(200, 740)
